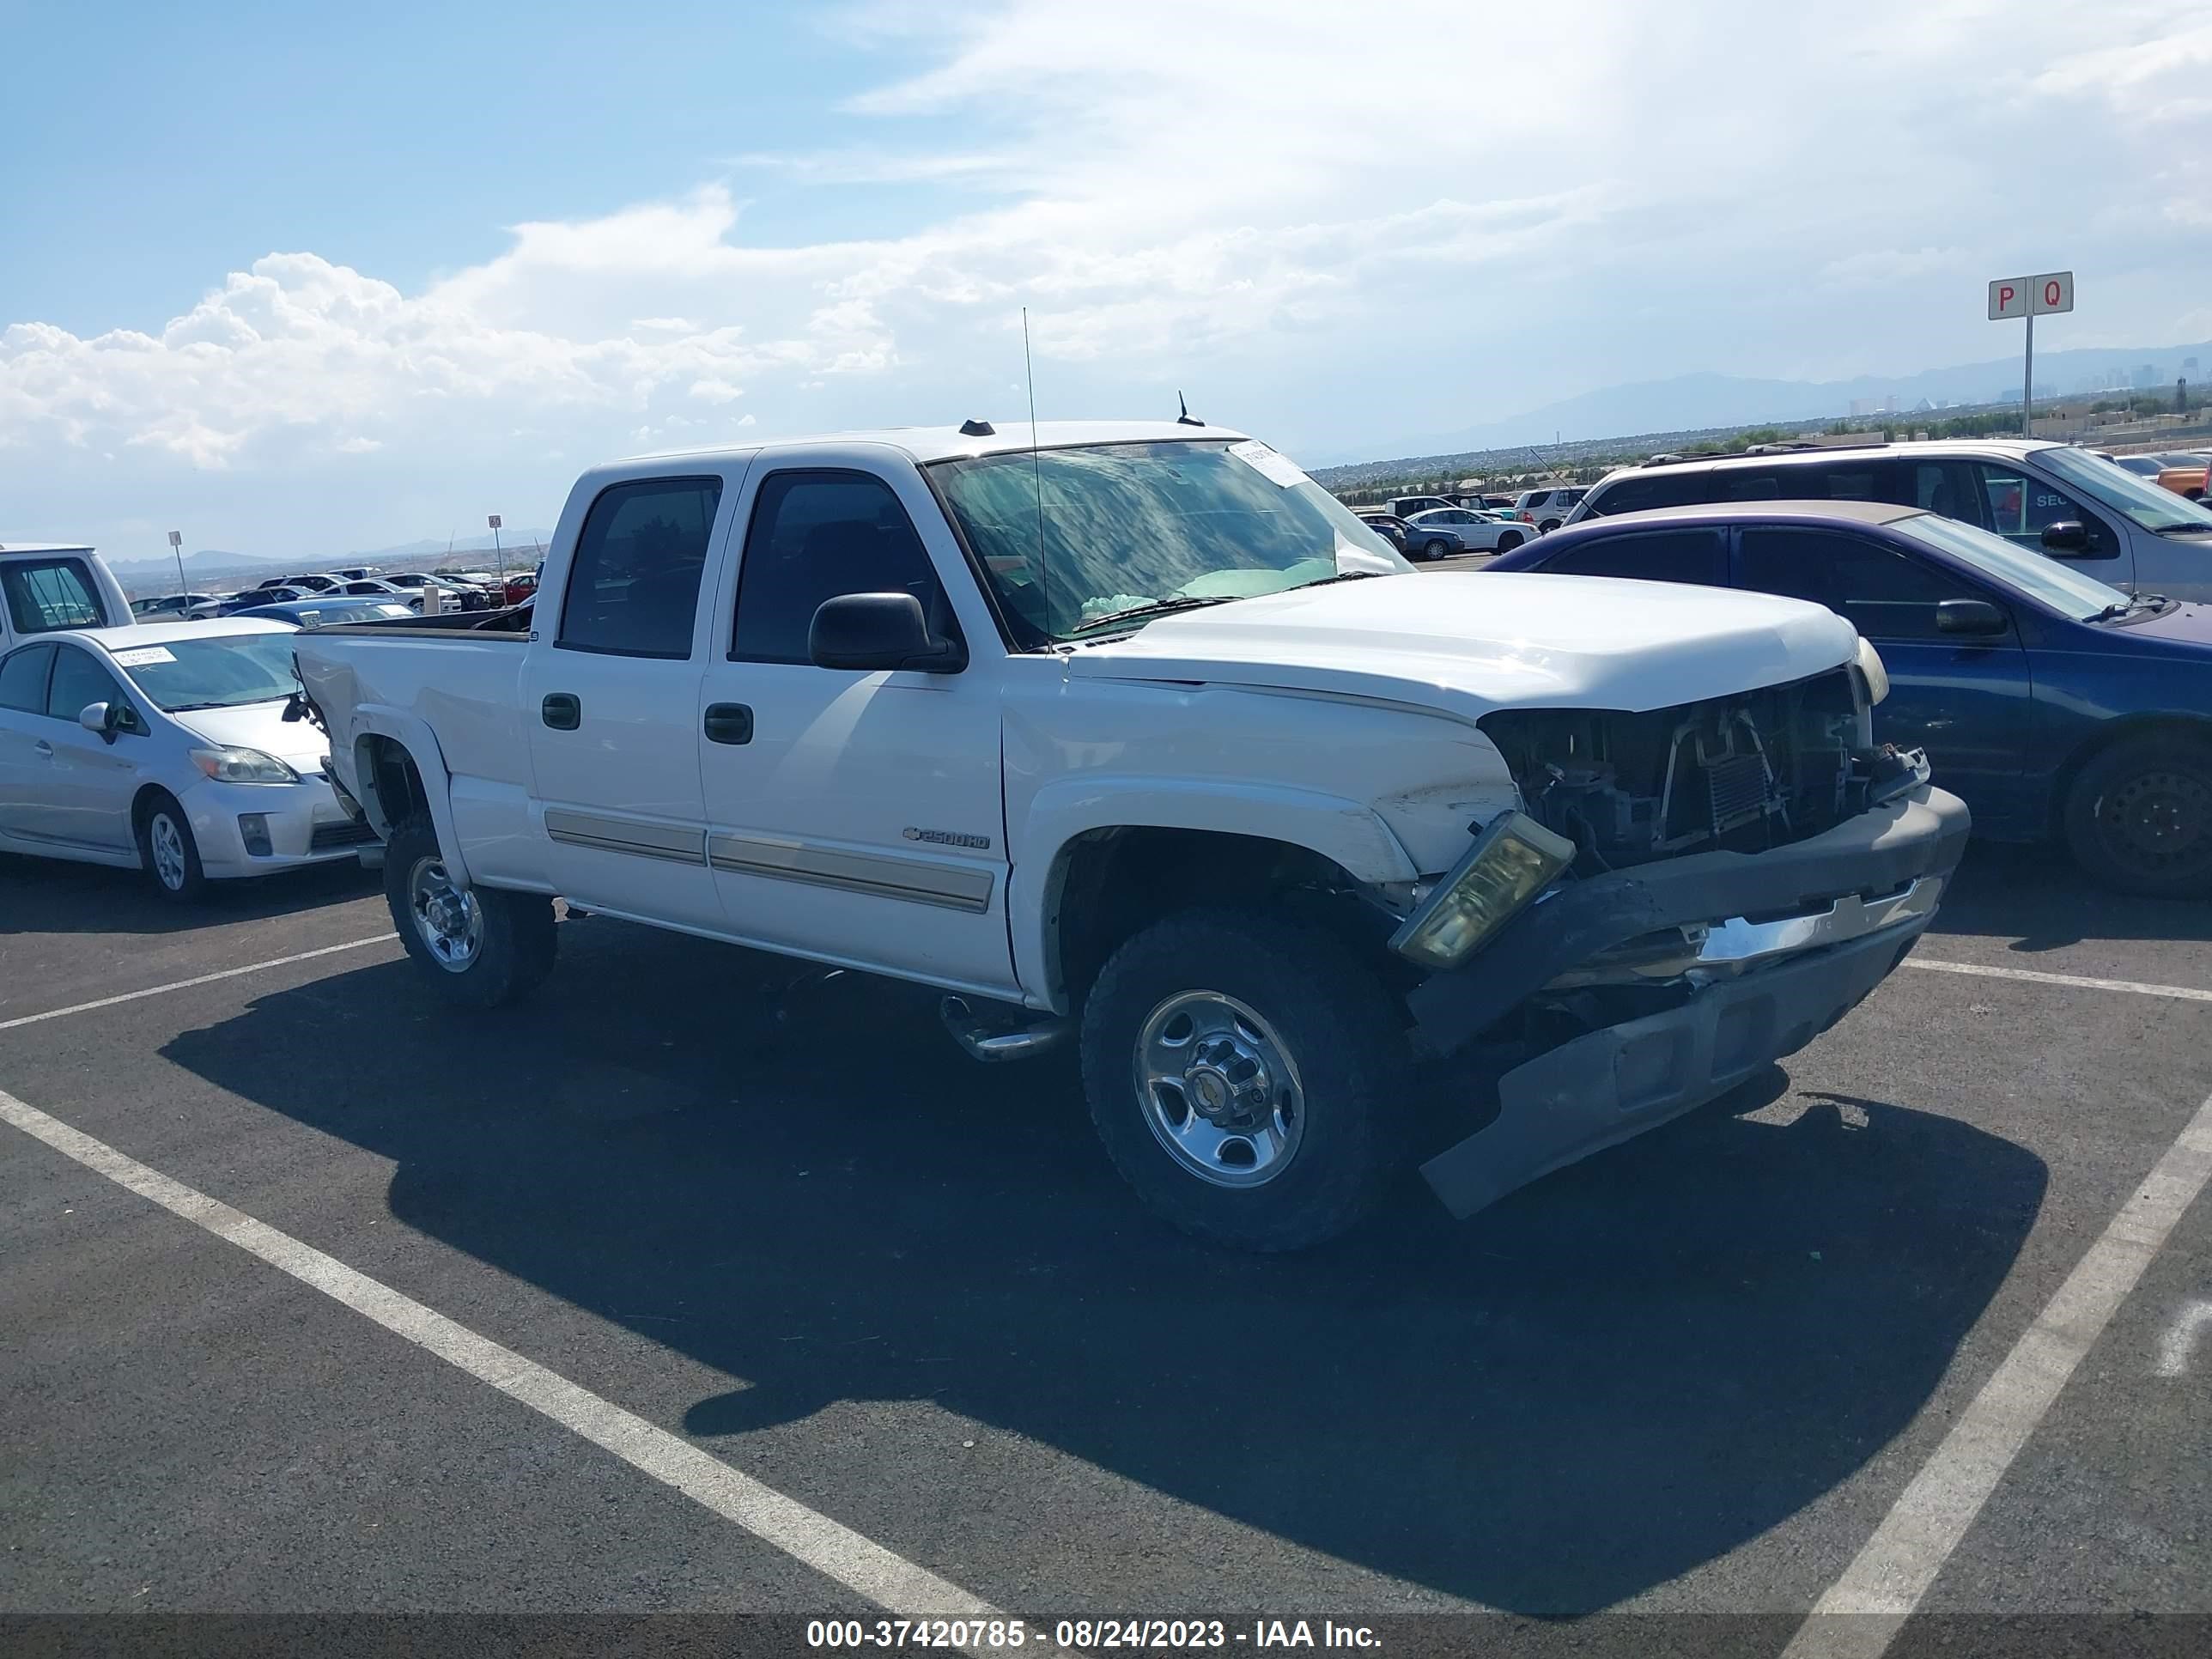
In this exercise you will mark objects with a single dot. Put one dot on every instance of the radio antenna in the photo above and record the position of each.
(1036, 474)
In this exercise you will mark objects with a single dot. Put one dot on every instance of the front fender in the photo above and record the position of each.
(1348, 832)
(413, 733)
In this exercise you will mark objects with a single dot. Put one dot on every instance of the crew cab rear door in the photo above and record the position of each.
(855, 816)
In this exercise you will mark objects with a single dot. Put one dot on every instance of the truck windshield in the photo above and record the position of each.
(2144, 503)
(1073, 540)
(227, 671)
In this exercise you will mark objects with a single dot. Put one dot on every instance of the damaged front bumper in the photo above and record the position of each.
(1770, 949)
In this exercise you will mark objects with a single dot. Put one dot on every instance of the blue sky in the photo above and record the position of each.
(307, 279)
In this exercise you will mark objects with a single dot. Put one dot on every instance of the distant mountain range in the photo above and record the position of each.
(1695, 401)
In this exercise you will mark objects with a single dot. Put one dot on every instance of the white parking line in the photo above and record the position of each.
(2186, 992)
(1863, 1610)
(187, 984)
(832, 1550)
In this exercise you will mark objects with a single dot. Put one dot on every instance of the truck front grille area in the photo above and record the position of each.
(1744, 773)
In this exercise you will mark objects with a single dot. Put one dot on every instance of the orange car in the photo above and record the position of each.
(2186, 480)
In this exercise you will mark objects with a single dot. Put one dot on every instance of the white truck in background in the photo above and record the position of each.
(46, 586)
(1138, 737)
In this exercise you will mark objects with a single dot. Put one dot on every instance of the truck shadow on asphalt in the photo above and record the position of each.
(1611, 1377)
(55, 896)
(2034, 896)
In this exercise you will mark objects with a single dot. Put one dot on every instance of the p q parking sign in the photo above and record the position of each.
(2031, 296)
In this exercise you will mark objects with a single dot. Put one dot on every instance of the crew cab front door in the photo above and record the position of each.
(852, 817)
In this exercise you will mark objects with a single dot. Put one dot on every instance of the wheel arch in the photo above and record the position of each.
(1102, 882)
(398, 770)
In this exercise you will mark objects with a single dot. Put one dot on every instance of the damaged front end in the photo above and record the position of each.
(1745, 773)
(1720, 883)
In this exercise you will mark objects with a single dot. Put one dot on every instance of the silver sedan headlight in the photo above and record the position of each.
(230, 765)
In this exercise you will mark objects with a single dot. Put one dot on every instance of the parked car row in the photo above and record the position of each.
(1132, 737)
(469, 591)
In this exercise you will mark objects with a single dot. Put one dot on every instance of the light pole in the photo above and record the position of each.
(177, 547)
(494, 521)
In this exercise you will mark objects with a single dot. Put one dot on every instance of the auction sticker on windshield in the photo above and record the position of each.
(1269, 463)
(143, 656)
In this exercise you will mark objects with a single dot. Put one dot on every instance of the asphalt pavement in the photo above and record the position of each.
(734, 1209)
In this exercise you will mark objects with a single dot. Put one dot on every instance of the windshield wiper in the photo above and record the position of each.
(1343, 576)
(2156, 604)
(1154, 608)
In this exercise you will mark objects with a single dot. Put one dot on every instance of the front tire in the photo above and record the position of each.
(1509, 540)
(1248, 1076)
(168, 852)
(2139, 816)
(482, 946)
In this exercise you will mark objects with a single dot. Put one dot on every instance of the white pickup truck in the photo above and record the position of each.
(46, 587)
(1138, 736)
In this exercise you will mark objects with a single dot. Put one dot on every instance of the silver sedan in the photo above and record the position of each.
(1441, 531)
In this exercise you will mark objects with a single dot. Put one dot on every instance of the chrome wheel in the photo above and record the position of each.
(168, 842)
(1218, 1089)
(449, 920)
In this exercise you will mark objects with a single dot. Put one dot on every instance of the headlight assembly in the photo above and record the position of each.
(243, 766)
(1512, 860)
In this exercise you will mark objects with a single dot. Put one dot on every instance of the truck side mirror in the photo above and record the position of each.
(873, 632)
(2066, 536)
(1969, 616)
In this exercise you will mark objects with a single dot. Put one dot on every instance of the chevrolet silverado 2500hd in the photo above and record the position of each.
(1139, 736)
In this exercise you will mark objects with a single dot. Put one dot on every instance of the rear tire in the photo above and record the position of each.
(1548, 526)
(2139, 816)
(167, 851)
(482, 948)
(1438, 549)
(1213, 1027)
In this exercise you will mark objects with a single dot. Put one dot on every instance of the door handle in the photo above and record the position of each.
(562, 711)
(728, 722)
(43, 750)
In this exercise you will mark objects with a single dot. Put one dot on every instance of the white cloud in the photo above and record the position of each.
(1586, 193)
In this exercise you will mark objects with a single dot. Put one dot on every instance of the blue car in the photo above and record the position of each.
(2057, 708)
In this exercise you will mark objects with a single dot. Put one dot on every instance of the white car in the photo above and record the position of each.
(375, 587)
(164, 747)
(1132, 736)
(1444, 530)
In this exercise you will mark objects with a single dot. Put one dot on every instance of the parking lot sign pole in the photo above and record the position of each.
(494, 522)
(2030, 297)
(177, 547)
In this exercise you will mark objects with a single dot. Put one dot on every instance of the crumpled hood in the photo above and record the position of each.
(1470, 642)
(261, 726)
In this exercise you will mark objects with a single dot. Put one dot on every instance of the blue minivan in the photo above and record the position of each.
(2056, 707)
